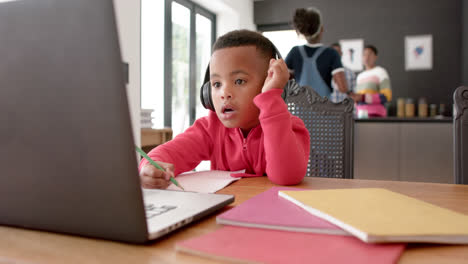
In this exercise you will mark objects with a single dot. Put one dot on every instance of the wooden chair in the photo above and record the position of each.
(460, 134)
(331, 129)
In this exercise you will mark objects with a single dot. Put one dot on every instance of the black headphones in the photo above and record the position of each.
(205, 90)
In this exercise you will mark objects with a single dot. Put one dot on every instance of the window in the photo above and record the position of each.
(284, 40)
(180, 62)
(173, 86)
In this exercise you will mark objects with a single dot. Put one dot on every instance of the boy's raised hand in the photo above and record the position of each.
(154, 178)
(278, 75)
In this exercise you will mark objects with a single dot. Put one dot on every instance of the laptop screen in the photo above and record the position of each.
(67, 155)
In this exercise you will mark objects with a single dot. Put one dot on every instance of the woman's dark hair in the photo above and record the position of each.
(371, 47)
(307, 21)
(239, 38)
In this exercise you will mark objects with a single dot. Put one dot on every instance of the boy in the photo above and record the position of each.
(251, 127)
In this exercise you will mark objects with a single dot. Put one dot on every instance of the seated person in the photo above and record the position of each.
(250, 126)
(373, 86)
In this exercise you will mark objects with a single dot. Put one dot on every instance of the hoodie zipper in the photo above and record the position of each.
(244, 146)
(244, 149)
(244, 139)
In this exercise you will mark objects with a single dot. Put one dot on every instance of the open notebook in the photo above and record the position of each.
(268, 210)
(380, 215)
(204, 181)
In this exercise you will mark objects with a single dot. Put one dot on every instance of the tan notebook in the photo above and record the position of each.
(380, 215)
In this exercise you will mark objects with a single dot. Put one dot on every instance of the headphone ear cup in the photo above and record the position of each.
(205, 96)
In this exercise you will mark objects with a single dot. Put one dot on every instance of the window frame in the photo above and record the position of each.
(194, 10)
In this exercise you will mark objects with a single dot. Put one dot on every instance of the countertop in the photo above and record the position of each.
(394, 119)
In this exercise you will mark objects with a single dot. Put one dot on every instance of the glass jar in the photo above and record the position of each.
(401, 107)
(433, 110)
(409, 108)
(442, 110)
(422, 107)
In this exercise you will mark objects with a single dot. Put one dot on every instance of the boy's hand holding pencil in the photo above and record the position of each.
(154, 178)
(156, 174)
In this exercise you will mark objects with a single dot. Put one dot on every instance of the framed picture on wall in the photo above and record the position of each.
(352, 53)
(418, 52)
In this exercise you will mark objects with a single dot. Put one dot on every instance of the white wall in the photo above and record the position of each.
(128, 23)
(152, 59)
(230, 14)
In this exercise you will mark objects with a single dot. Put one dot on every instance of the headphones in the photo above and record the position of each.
(205, 90)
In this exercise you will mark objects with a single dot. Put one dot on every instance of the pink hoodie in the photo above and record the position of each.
(278, 147)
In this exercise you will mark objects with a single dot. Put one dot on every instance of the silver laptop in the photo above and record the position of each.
(67, 156)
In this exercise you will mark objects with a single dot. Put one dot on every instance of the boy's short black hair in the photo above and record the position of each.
(240, 38)
(371, 47)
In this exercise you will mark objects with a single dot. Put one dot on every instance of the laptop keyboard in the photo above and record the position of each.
(153, 210)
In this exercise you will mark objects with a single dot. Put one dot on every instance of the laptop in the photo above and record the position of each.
(67, 157)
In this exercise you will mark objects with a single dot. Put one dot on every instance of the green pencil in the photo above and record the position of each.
(142, 153)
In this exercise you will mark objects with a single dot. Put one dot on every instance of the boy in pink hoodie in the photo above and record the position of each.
(250, 127)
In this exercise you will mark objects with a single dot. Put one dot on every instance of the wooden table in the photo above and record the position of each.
(20, 246)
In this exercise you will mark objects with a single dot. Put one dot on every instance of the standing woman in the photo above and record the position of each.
(314, 64)
(373, 86)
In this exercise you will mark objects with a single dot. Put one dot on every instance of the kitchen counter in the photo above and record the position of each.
(404, 149)
(390, 119)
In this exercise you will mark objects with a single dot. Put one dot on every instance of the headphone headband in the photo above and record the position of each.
(205, 90)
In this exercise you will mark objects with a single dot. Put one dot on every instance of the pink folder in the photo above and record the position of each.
(268, 210)
(273, 246)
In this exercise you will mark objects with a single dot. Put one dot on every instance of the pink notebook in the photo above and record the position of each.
(268, 210)
(273, 246)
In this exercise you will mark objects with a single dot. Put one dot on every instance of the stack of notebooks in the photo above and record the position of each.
(290, 225)
(146, 118)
